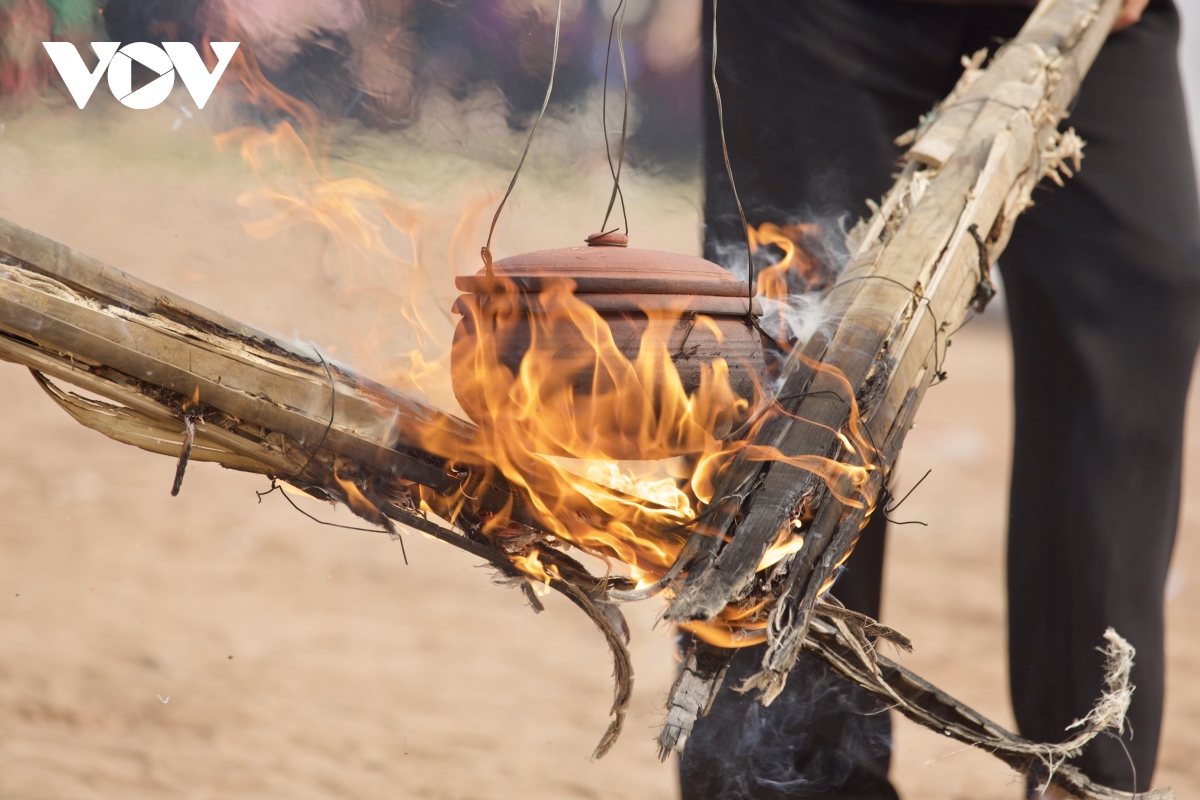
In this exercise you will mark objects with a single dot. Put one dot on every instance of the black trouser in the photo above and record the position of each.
(1102, 282)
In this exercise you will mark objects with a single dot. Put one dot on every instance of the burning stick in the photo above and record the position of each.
(813, 466)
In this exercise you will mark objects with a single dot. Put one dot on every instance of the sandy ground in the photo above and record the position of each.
(212, 646)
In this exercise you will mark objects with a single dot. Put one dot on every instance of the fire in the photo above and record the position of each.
(632, 443)
(380, 243)
(735, 627)
(786, 286)
(539, 575)
(536, 427)
(331, 203)
(533, 422)
(788, 543)
(193, 401)
(798, 265)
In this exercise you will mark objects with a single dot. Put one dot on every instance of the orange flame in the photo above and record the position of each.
(798, 271)
(563, 443)
(777, 281)
(192, 402)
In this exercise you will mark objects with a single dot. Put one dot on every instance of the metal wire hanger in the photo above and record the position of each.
(617, 24)
(486, 251)
(732, 184)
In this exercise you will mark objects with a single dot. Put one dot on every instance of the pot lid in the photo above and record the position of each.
(608, 267)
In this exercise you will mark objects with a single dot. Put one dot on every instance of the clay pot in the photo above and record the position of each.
(631, 290)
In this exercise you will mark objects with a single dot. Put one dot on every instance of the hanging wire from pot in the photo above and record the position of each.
(486, 251)
(750, 321)
(617, 25)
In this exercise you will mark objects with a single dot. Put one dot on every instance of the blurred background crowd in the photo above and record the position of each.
(374, 60)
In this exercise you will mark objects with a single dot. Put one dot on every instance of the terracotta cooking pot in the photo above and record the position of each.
(622, 284)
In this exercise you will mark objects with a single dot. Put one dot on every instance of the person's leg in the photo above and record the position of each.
(821, 737)
(860, 586)
(820, 734)
(814, 93)
(1103, 286)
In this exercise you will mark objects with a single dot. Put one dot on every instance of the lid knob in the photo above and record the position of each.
(610, 239)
